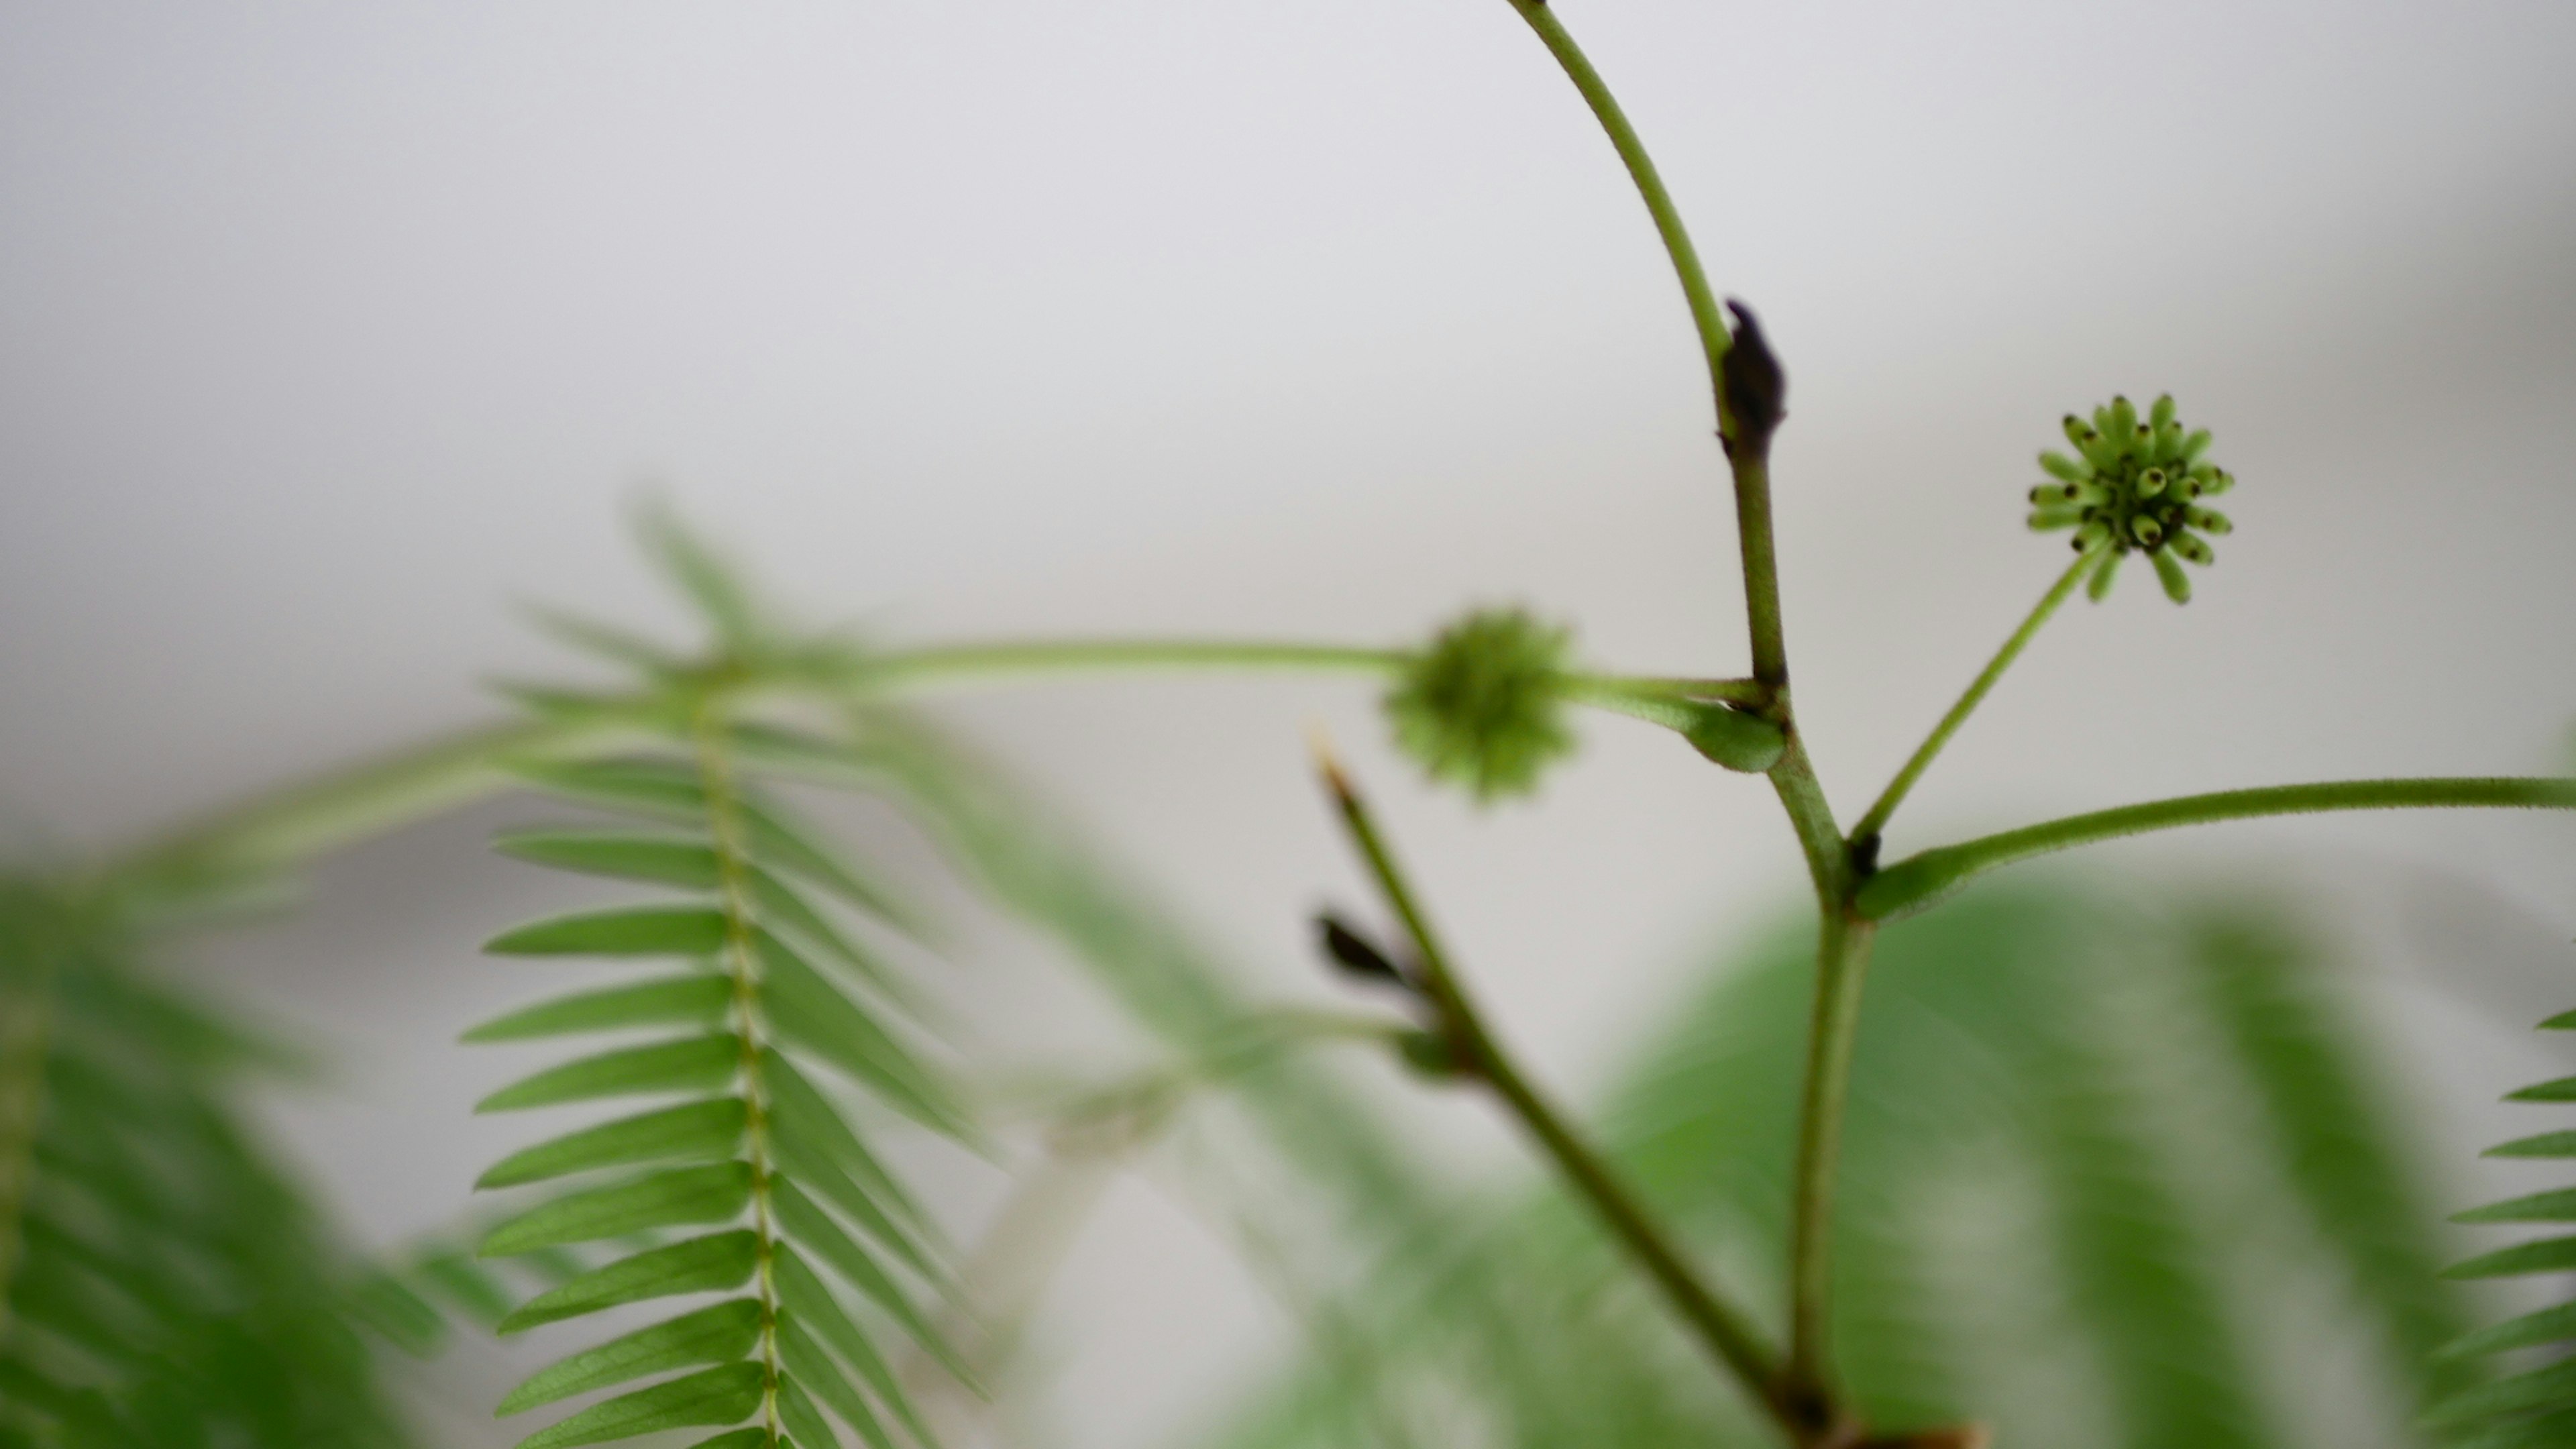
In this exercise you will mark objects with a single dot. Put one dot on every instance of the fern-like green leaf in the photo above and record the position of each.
(755, 1132)
(671, 1001)
(162, 1281)
(716, 1263)
(2536, 1408)
(723, 1333)
(691, 1064)
(696, 1129)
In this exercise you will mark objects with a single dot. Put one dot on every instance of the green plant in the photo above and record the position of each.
(769, 965)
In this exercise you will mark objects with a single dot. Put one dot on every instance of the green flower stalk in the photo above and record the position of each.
(1484, 705)
(2135, 485)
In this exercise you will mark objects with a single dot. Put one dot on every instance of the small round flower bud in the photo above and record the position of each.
(2137, 490)
(1483, 704)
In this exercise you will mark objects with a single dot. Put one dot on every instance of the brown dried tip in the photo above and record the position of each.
(1757, 393)
(1353, 952)
(1328, 765)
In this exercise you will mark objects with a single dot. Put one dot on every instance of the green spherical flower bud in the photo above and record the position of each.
(2137, 490)
(1484, 705)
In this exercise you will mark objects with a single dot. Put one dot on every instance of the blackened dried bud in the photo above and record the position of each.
(1756, 392)
(1355, 953)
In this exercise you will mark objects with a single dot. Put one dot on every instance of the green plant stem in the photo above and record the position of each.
(1917, 881)
(1713, 336)
(286, 828)
(1725, 1331)
(1842, 964)
(1802, 795)
(1751, 468)
(1004, 660)
(1876, 820)
(742, 959)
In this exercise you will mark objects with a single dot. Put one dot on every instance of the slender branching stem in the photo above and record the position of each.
(287, 828)
(742, 963)
(1842, 964)
(1002, 661)
(1723, 1329)
(1866, 833)
(1802, 795)
(1916, 882)
(1751, 465)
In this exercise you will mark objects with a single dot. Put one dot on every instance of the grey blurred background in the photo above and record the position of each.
(327, 330)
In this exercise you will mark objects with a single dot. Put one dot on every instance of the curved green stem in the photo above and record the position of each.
(1876, 820)
(1842, 964)
(1917, 881)
(1713, 337)
(286, 828)
(1725, 1331)
(1003, 660)
(1751, 463)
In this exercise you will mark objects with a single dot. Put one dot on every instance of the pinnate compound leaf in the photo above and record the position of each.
(715, 1263)
(810, 1225)
(691, 1064)
(819, 1175)
(809, 1011)
(2558, 1206)
(803, 1109)
(700, 1000)
(751, 1438)
(2547, 1144)
(693, 568)
(2562, 1089)
(802, 1419)
(673, 860)
(683, 1196)
(2549, 1255)
(814, 1371)
(2549, 1325)
(2550, 1387)
(667, 789)
(701, 1130)
(719, 1334)
(637, 931)
(803, 1292)
(722, 1395)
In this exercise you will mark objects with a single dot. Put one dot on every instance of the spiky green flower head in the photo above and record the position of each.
(2135, 485)
(1484, 705)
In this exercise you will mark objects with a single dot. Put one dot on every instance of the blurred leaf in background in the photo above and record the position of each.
(2121, 1172)
(167, 1283)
